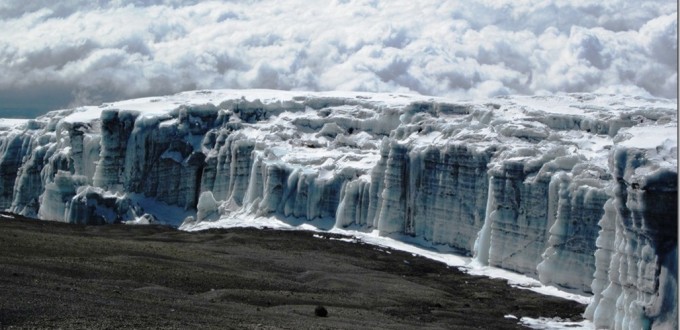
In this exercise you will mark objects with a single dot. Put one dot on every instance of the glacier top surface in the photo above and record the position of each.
(8, 123)
(572, 104)
(527, 127)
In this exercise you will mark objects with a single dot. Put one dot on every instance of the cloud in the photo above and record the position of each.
(74, 52)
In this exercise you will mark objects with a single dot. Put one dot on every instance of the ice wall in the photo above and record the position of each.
(577, 205)
(636, 279)
(579, 191)
(435, 192)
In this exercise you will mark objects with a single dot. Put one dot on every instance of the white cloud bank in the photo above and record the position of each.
(55, 53)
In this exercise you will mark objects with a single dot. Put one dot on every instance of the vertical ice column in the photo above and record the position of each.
(143, 152)
(239, 171)
(641, 292)
(483, 242)
(518, 228)
(329, 188)
(116, 127)
(215, 177)
(461, 195)
(377, 185)
(606, 246)
(425, 166)
(256, 182)
(54, 201)
(207, 147)
(207, 207)
(394, 211)
(301, 195)
(29, 186)
(13, 149)
(190, 181)
(295, 203)
(274, 189)
(354, 203)
(228, 167)
(569, 260)
(84, 150)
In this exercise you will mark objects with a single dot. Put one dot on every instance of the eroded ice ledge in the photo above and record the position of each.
(579, 190)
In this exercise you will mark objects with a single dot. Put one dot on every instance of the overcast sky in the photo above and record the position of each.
(55, 54)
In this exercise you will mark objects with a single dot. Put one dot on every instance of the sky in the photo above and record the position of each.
(57, 54)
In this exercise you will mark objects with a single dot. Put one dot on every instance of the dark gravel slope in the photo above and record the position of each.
(65, 276)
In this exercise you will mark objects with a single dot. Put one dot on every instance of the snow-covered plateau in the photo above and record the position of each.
(578, 191)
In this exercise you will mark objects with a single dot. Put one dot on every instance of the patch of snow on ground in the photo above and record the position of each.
(555, 323)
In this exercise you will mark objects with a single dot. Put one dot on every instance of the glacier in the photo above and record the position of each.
(576, 190)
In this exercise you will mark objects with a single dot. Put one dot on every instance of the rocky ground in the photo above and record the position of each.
(55, 275)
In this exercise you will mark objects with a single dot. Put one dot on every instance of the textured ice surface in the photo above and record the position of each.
(578, 191)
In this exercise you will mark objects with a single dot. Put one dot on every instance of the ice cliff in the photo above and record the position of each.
(579, 191)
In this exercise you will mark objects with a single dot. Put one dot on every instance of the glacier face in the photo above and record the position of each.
(579, 191)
